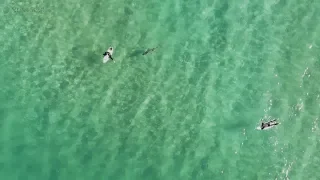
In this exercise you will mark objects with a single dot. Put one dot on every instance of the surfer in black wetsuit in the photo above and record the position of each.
(108, 54)
(269, 124)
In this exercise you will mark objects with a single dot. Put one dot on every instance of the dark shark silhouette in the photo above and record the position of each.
(149, 50)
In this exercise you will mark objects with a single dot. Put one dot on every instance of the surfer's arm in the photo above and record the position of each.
(111, 57)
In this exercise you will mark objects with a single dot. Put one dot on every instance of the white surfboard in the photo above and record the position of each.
(106, 58)
(266, 128)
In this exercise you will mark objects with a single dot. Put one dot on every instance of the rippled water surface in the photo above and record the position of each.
(186, 111)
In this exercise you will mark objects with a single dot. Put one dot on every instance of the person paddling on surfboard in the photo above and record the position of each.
(269, 124)
(107, 53)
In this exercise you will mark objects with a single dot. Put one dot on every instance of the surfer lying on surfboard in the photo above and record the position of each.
(268, 124)
(108, 54)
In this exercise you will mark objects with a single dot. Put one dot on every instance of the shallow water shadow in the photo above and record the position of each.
(236, 125)
(84, 54)
(92, 58)
(136, 53)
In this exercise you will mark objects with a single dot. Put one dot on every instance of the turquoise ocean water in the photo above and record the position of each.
(186, 111)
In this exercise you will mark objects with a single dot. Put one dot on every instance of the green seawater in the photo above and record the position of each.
(187, 111)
